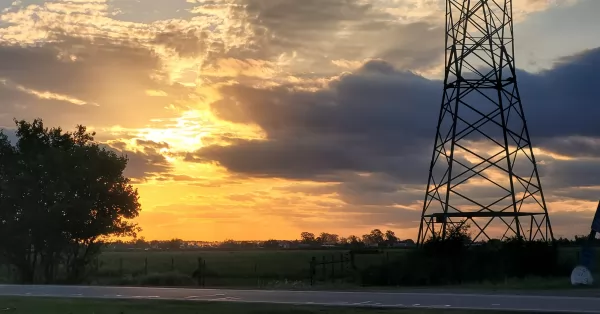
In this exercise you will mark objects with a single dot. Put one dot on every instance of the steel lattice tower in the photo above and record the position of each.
(483, 170)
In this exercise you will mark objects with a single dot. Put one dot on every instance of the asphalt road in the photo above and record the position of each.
(506, 302)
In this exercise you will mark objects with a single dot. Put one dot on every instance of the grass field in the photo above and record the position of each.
(273, 269)
(254, 268)
(84, 306)
(225, 268)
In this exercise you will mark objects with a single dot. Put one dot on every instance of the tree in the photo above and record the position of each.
(307, 237)
(352, 239)
(390, 237)
(174, 244)
(61, 195)
(271, 244)
(374, 237)
(328, 238)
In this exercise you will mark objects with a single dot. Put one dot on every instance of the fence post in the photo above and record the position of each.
(313, 271)
(172, 263)
(146, 266)
(203, 273)
(332, 268)
(257, 276)
(342, 270)
(323, 266)
(199, 272)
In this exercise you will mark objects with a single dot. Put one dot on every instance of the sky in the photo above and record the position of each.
(258, 119)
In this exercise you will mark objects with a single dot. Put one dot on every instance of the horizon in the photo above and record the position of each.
(249, 119)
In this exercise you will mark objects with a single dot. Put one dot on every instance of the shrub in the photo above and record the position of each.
(455, 261)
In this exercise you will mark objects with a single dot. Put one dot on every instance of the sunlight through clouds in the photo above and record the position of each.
(285, 115)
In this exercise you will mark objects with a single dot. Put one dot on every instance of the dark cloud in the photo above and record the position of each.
(88, 81)
(376, 121)
(186, 42)
(314, 134)
(381, 121)
(336, 30)
(142, 164)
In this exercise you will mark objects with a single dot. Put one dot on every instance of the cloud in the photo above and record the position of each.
(381, 120)
(144, 161)
(89, 81)
(129, 69)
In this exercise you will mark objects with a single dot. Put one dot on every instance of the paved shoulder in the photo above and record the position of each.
(506, 302)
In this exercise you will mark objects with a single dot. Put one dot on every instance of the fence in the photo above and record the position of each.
(256, 268)
(218, 269)
(327, 266)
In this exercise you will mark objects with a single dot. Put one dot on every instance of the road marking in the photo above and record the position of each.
(226, 299)
(192, 297)
(362, 303)
(416, 304)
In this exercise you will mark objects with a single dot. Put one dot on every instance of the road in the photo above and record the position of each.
(505, 302)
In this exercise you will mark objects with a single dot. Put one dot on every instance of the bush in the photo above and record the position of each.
(455, 261)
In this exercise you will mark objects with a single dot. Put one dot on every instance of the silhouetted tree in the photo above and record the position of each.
(307, 238)
(374, 237)
(352, 239)
(271, 244)
(61, 195)
(229, 244)
(328, 238)
(174, 244)
(390, 237)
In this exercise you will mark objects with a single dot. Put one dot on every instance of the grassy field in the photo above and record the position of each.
(283, 269)
(253, 268)
(84, 306)
(225, 268)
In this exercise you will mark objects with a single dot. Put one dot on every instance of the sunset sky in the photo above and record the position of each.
(257, 119)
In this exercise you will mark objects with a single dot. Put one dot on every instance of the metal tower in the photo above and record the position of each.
(483, 171)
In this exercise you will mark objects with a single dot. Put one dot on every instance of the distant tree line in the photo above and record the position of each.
(376, 238)
(62, 196)
(307, 240)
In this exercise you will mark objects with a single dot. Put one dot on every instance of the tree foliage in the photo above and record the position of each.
(455, 260)
(61, 195)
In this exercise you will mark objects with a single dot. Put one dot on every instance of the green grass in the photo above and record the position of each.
(278, 269)
(238, 268)
(287, 269)
(87, 306)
